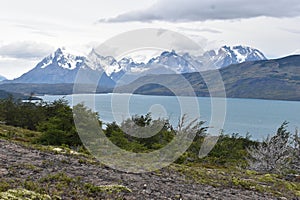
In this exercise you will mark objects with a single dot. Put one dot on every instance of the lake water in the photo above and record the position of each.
(255, 116)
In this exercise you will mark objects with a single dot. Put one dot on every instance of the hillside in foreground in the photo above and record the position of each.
(50, 172)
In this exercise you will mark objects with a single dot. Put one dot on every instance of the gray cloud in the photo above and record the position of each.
(201, 10)
(26, 50)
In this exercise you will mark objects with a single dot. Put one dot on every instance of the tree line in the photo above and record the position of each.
(54, 120)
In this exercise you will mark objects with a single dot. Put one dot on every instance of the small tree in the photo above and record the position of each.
(59, 128)
(295, 164)
(274, 154)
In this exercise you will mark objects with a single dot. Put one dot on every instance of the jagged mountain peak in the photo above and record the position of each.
(62, 58)
(169, 53)
(108, 63)
(228, 55)
(94, 53)
(59, 51)
(126, 60)
(65, 52)
(173, 62)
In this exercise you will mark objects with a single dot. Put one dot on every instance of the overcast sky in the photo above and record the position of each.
(32, 29)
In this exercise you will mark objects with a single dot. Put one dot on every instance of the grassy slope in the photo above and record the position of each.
(231, 177)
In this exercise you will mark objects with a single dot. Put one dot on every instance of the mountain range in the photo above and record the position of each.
(63, 66)
(245, 71)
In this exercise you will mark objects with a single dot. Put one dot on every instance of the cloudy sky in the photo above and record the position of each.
(32, 29)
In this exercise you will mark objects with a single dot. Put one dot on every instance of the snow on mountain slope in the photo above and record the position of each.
(174, 62)
(233, 55)
(62, 58)
(62, 66)
(169, 62)
(108, 63)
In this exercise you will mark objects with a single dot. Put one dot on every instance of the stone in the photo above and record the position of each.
(3, 172)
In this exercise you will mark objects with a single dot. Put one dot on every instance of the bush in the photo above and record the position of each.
(277, 154)
(130, 135)
(295, 163)
(59, 128)
(230, 150)
(54, 120)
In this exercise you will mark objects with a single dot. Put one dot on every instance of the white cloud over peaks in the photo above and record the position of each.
(201, 10)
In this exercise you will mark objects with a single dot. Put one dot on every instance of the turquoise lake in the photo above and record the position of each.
(254, 116)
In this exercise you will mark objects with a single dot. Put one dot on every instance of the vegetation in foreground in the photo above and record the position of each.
(269, 166)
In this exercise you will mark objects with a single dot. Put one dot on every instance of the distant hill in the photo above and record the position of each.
(4, 94)
(51, 89)
(15, 95)
(264, 79)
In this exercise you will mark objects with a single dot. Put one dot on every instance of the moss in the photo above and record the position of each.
(60, 177)
(22, 194)
(295, 187)
(106, 188)
(87, 161)
(18, 134)
(33, 186)
(244, 183)
(61, 184)
(268, 178)
(30, 167)
(4, 186)
(250, 172)
(239, 178)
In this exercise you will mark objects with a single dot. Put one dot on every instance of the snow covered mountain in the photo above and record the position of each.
(166, 63)
(226, 55)
(109, 64)
(170, 62)
(173, 62)
(62, 67)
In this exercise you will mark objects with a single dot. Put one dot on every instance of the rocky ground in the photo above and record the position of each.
(65, 176)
